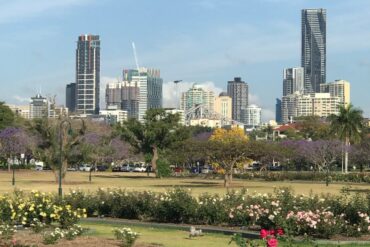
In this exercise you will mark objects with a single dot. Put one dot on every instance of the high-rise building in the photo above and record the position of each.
(338, 88)
(139, 91)
(238, 91)
(197, 95)
(278, 117)
(223, 105)
(39, 107)
(88, 74)
(124, 95)
(313, 48)
(293, 80)
(314, 104)
(71, 97)
(252, 116)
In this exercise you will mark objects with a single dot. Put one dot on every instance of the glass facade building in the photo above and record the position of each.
(88, 74)
(313, 49)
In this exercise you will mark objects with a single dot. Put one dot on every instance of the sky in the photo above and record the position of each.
(204, 41)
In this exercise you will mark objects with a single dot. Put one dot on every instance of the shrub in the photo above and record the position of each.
(7, 232)
(126, 236)
(176, 206)
(53, 237)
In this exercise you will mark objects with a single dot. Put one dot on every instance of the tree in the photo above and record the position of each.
(228, 149)
(157, 132)
(48, 142)
(322, 154)
(6, 116)
(347, 126)
(14, 142)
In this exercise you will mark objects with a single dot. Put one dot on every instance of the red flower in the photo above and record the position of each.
(272, 242)
(272, 232)
(280, 232)
(264, 233)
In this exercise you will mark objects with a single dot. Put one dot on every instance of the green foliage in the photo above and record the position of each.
(164, 169)
(158, 131)
(6, 116)
(7, 231)
(126, 236)
(348, 124)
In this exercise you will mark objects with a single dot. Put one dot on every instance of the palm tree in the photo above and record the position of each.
(347, 125)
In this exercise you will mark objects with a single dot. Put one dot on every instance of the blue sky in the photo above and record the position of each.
(204, 41)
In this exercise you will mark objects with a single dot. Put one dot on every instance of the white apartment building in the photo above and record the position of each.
(223, 106)
(197, 95)
(338, 88)
(114, 114)
(314, 104)
(252, 116)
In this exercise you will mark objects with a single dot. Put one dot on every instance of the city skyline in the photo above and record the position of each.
(253, 47)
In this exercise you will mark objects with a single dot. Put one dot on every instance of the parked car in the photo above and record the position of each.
(72, 169)
(128, 167)
(206, 170)
(101, 168)
(117, 168)
(85, 167)
(140, 168)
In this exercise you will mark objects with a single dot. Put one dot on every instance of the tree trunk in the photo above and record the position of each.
(154, 160)
(228, 179)
(346, 155)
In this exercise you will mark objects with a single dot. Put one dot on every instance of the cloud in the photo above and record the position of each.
(21, 99)
(17, 10)
(267, 114)
(170, 97)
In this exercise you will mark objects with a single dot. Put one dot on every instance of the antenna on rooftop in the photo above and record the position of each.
(135, 55)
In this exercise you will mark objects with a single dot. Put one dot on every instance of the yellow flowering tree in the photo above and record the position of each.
(228, 149)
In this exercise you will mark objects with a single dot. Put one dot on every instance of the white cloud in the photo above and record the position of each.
(267, 114)
(21, 99)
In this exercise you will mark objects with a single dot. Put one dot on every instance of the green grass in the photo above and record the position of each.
(177, 238)
(45, 181)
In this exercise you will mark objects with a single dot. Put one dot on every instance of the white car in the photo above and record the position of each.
(85, 168)
(140, 168)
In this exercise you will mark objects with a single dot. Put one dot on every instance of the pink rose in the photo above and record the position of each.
(264, 233)
(280, 232)
(272, 242)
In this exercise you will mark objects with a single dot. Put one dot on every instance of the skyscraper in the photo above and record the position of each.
(278, 117)
(197, 95)
(293, 80)
(139, 91)
(88, 74)
(313, 48)
(223, 105)
(71, 97)
(238, 91)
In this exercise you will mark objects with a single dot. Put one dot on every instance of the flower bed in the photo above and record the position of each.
(319, 216)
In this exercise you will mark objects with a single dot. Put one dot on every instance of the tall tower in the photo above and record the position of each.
(293, 80)
(88, 74)
(238, 91)
(313, 48)
(71, 97)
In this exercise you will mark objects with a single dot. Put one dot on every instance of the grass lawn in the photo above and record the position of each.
(177, 238)
(45, 181)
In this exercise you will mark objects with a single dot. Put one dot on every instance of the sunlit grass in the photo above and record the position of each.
(45, 181)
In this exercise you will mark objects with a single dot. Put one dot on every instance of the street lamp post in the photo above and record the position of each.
(13, 179)
(60, 191)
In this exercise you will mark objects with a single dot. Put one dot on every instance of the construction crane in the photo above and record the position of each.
(135, 55)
